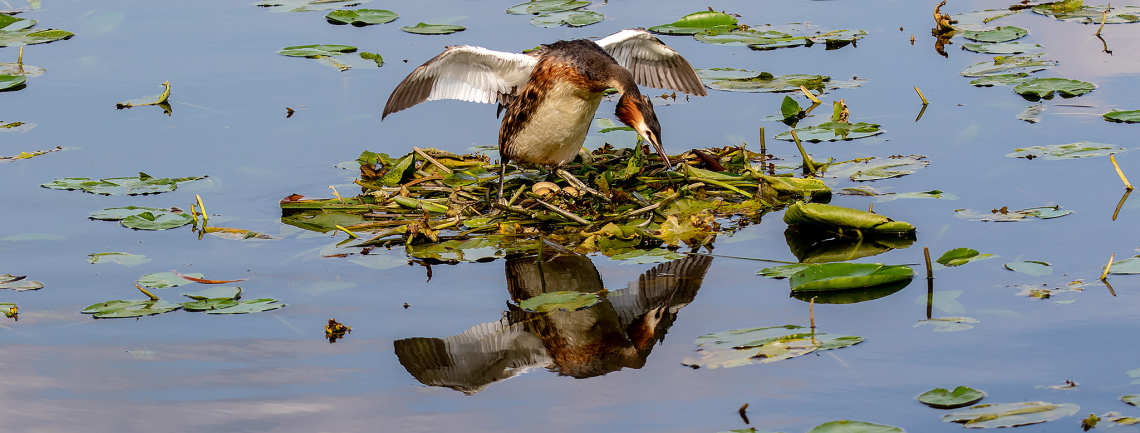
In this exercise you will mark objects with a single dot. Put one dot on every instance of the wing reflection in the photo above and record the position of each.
(617, 333)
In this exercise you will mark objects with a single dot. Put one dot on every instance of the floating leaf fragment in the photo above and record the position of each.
(9, 23)
(1080, 149)
(640, 257)
(147, 100)
(1123, 116)
(961, 256)
(1129, 266)
(697, 22)
(1078, 12)
(948, 324)
(1043, 212)
(1034, 268)
(1131, 399)
(785, 271)
(237, 234)
(833, 131)
(32, 36)
(1032, 114)
(739, 347)
(433, 29)
(563, 300)
(940, 398)
(739, 80)
(1011, 414)
(142, 184)
(19, 283)
(1003, 65)
(124, 259)
(1044, 88)
(28, 155)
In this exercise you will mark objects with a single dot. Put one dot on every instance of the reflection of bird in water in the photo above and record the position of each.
(551, 93)
(617, 333)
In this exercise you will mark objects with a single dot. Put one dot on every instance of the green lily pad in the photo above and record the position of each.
(314, 51)
(961, 256)
(227, 292)
(999, 34)
(1000, 80)
(818, 214)
(19, 283)
(1001, 48)
(143, 218)
(165, 280)
(1011, 414)
(697, 22)
(120, 258)
(845, 276)
(854, 427)
(121, 309)
(322, 222)
(32, 37)
(879, 168)
(1043, 212)
(1131, 399)
(11, 81)
(785, 271)
(1123, 116)
(833, 131)
(306, 5)
(1078, 12)
(1034, 268)
(142, 185)
(251, 306)
(1080, 149)
(739, 347)
(565, 301)
(9, 23)
(790, 109)
(148, 100)
(978, 20)
(361, 17)
(571, 19)
(1129, 266)
(1044, 88)
(940, 398)
(640, 257)
(763, 39)
(209, 304)
(837, 38)
(433, 29)
(1004, 65)
(546, 7)
(734, 80)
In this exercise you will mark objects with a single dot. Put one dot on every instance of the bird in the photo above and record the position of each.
(550, 94)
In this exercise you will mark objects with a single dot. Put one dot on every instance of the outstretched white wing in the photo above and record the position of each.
(466, 73)
(652, 62)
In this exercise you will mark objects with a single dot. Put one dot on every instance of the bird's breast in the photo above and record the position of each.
(555, 126)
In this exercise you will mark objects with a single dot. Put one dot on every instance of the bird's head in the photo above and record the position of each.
(636, 110)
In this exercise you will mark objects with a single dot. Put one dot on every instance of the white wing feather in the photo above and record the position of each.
(651, 62)
(466, 73)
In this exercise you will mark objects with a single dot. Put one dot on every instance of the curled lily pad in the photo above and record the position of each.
(1000, 80)
(1044, 88)
(546, 7)
(845, 276)
(1080, 149)
(1011, 414)
(124, 259)
(739, 347)
(999, 34)
(433, 29)
(9, 23)
(19, 283)
(940, 398)
(571, 19)
(121, 309)
(1123, 116)
(11, 81)
(818, 214)
(1002, 48)
(361, 17)
(144, 218)
(564, 300)
(251, 306)
(32, 36)
(961, 256)
(164, 280)
(1034, 268)
(697, 22)
(147, 100)
(846, 426)
(833, 131)
(143, 184)
(1003, 65)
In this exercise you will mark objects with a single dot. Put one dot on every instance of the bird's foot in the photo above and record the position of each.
(576, 183)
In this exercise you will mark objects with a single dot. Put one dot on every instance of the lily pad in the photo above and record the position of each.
(165, 280)
(639, 257)
(940, 398)
(1034, 268)
(838, 38)
(697, 22)
(32, 37)
(854, 427)
(361, 17)
(845, 276)
(251, 306)
(564, 300)
(147, 100)
(306, 5)
(999, 34)
(948, 324)
(734, 80)
(470, 250)
(739, 347)
(785, 271)
(144, 218)
(878, 168)
(10, 23)
(1131, 399)
(1129, 266)
(209, 304)
(546, 7)
(756, 39)
(1002, 48)
(1078, 12)
(1000, 80)
(961, 256)
(1003, 65)
(818, 214)
(433, 29)
(1123, 116)
(571, 19)
(1032, 114)
(19, 283)
(978, 20)
(11, 81)
(1011, 414)
(1080, 149)
(1044, 88)
(124, 259)
(121, 309)
(1043, 212)
(142, 185)
(314, 51)
(833, 131)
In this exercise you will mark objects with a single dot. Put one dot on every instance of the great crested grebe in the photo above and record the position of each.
(551, 93)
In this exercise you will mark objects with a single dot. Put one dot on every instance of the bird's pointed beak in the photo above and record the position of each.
(661, 151)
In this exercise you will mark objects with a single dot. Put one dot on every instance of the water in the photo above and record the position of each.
(273, 371)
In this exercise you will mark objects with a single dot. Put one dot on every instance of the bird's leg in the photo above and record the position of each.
(502, 175)
(573, 181)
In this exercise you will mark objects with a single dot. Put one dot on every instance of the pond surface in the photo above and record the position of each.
(274, 372)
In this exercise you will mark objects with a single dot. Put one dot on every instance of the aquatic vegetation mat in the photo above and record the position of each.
(739, 347)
